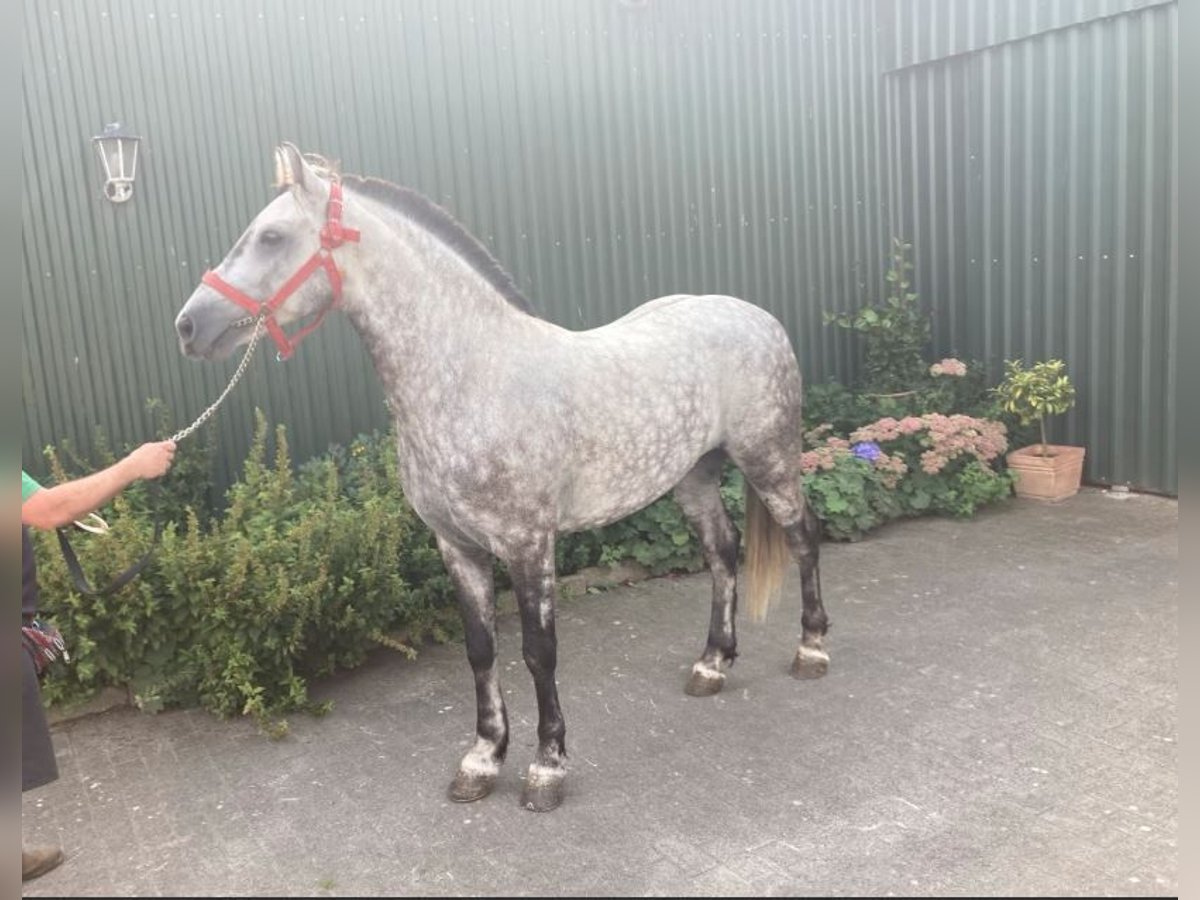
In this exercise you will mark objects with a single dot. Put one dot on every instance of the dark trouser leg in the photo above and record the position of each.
(38, 765)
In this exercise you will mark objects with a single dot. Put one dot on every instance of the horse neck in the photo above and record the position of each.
(426, 316)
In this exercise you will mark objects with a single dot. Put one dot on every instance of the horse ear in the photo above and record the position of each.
(291, 169)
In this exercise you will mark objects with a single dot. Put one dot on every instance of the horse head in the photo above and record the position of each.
(267, 273)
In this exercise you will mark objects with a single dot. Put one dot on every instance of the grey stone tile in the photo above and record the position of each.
(983, 729)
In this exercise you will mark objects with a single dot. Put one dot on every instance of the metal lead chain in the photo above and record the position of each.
(237, 376)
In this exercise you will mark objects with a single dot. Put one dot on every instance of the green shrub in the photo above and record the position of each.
(850, 496)
(295, 580)
(658, 537)
(1032, 394)
(847, 409)
(895, 332)
(964, 394)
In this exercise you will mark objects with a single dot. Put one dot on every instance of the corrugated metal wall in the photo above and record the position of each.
(607, 152)
(1038, 181)
(918, 31)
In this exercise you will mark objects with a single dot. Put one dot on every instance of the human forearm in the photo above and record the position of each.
(64, 503)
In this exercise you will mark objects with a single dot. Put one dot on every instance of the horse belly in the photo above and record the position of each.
(634, 457)
(660, 388)
(596, 502)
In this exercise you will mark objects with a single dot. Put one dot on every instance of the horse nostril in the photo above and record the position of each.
(186, 327)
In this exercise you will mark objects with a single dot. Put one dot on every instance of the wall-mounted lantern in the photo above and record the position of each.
(118, 151)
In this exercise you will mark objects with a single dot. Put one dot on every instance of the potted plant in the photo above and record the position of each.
(1044, 471)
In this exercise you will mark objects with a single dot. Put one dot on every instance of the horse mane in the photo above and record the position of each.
(437, 221)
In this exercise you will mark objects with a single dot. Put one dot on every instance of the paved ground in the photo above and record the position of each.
(1000, 718)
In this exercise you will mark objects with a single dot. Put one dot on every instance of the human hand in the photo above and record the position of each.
(152, 460)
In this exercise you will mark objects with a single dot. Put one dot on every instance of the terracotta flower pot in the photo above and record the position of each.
(1055, 476)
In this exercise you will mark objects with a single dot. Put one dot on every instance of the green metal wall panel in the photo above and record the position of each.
(1038, 181)
(606, 152)
(919, 31)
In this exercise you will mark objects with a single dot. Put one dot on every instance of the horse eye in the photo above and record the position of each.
(270, 237)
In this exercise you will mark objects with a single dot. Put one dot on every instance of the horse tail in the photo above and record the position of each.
(767, 557)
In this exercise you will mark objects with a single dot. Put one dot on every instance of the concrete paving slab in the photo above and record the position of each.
(999, 719)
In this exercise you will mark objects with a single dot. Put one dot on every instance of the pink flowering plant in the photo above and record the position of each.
(949, 458)
(952, 368)
(911, 435)
(933, 463)
(851, 487)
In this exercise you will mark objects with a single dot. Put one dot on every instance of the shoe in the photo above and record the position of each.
(39, 861)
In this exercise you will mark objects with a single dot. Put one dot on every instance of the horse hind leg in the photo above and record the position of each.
(787, 509)
(699, 496)
(804, 540)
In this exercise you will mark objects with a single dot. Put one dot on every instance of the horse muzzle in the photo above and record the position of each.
(209, 328)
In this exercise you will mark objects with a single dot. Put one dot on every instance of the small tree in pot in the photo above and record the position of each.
(1045, 471)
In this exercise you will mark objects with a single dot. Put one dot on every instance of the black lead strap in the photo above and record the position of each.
(76, 570)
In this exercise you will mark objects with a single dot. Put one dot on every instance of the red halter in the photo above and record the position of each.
(333, 235)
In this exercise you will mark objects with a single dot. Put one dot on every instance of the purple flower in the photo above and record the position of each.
(868, 450)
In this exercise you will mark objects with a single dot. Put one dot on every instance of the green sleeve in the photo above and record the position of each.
(28, 486)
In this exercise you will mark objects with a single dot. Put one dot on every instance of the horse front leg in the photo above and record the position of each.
(533, 582)
(471, 572)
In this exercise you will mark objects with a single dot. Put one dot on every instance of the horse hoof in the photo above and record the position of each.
(467, 788)
(704, 682)
(542, 797)
(810, 663)
(543, 789)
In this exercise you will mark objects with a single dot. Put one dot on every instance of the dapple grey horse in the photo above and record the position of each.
(511, 429)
